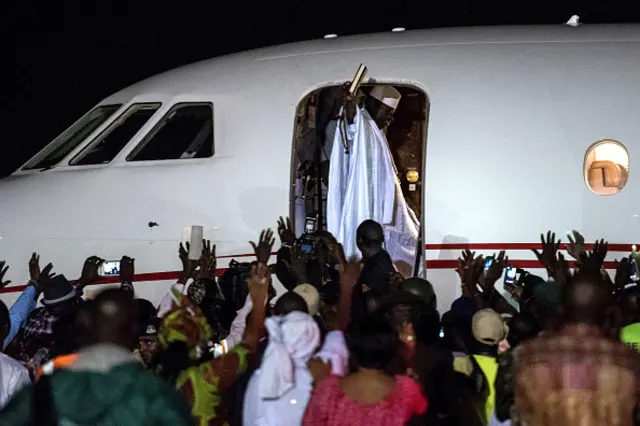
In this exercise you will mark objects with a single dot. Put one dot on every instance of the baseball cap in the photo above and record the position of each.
(310, 295)
(488, 327)
(149, 329)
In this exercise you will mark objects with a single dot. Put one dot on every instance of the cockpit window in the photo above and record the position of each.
(72, 137)
(185, 132)
(115, 137)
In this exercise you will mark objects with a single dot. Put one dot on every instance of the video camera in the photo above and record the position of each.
(307, 240)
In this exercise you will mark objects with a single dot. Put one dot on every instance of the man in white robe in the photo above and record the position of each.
(363, 183)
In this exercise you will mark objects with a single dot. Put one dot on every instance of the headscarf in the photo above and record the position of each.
(186, 323)
(293, 339)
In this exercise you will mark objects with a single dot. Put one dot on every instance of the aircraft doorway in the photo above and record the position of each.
(405, 135)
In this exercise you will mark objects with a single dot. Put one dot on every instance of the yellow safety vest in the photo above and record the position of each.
(630, 336)
(489, 367)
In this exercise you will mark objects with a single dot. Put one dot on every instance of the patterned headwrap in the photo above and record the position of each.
(185, 322)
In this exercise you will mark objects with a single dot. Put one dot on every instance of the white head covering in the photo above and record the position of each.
(310, 295)
(293, 339)
(388, 95)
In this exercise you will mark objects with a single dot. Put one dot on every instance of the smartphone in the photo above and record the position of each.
(310, 225)
(487, 263)
(110, 267)
(510, 276)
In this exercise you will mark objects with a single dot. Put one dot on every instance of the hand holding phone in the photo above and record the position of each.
(514, 290)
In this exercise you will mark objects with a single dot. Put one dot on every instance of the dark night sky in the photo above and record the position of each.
(63, 58)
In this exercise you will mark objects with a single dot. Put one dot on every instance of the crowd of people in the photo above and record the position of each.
(350, 342)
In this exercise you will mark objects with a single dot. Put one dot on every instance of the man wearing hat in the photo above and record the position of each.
(60, 298)
(148, 339)
(488, 329)
(363, 182)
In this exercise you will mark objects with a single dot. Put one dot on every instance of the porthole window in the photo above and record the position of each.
(606, 167)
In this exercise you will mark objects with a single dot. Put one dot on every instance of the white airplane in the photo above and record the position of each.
(524, 129)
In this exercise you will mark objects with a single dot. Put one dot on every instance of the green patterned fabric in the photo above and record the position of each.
(125, 395)
(186, 323)
(203, 379)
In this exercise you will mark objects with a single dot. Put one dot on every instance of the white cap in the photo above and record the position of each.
(310, 295)
(388, 95)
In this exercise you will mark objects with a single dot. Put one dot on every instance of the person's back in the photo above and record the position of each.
(369, 396)
(279, 390)
(578, 376)
(105, 385)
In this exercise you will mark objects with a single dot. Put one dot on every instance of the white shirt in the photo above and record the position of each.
(13, 377)
(335, 350)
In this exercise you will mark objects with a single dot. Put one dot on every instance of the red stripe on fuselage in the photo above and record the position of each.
(431, 264)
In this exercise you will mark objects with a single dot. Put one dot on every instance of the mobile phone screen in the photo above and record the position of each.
(306, 248)
(488, 263)
(310, 225)
(510, 275)
(110, 268)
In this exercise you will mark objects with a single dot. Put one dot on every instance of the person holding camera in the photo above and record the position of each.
(312, 259)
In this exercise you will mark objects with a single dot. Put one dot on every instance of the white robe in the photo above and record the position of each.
(363, 185)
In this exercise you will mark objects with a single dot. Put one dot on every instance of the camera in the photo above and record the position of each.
(307, 240)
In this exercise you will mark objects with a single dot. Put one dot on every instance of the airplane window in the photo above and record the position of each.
(111, 141)
(72, 137)
(186, 131)
(606, 167)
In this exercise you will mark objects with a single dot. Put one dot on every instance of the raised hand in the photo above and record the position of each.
(548, 257)
(34, 267)
(3, 271)
(285, 231)
(264, 247)
(623, 273)
(45, 276)
(188, 266)
(258, 283)
(90, 271)
(497, 268)
(296, 264)
(127, 269)
(208, 262)
(470, 269)
(575, 248)
(591, 262)
(563, 272)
